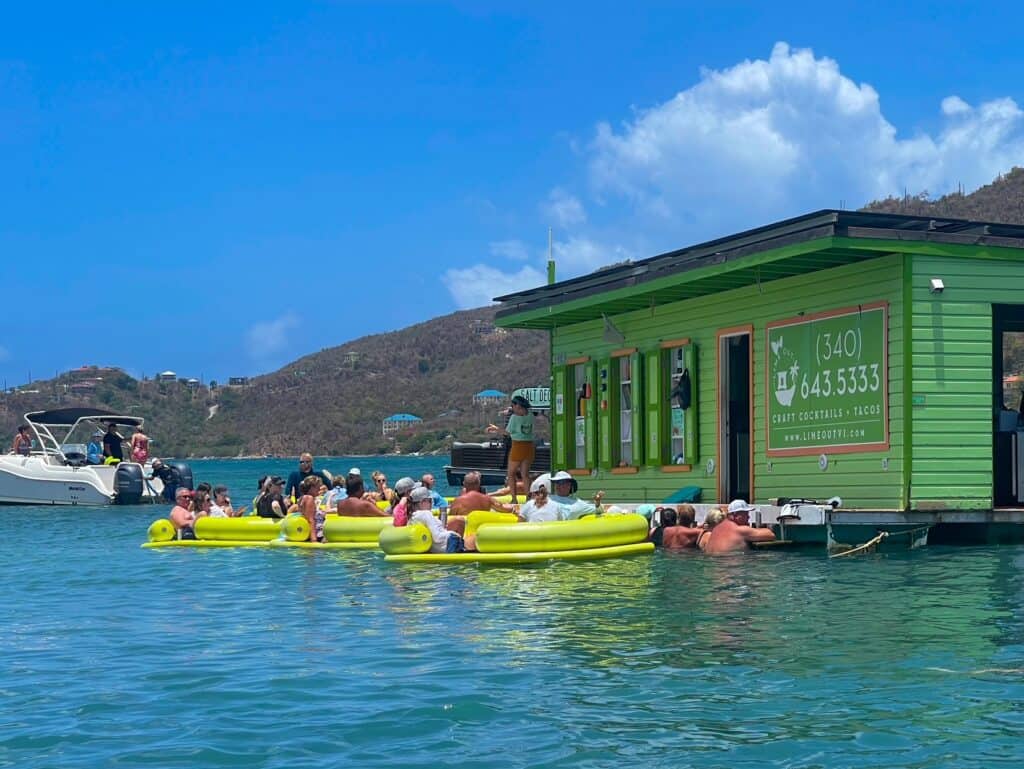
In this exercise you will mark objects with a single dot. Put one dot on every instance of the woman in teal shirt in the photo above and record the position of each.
(520, 456)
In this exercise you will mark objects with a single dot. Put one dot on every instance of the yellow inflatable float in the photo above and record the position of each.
(501, 542)
(248, 531)
(340, 532)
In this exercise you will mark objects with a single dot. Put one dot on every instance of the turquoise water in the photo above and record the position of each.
(118, 656)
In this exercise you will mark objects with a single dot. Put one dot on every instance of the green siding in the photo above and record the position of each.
(859, 477)
(952, 369)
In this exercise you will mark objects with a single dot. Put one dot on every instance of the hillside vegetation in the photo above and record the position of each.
(330, 402)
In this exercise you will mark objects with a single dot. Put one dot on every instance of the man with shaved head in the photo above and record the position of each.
(305, 470)
(472, 498)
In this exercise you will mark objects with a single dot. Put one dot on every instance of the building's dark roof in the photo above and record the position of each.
(68, 416)
(820, 224)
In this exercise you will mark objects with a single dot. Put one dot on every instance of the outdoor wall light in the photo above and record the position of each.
(937, 286)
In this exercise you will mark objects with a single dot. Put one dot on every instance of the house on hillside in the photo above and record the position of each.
(392, 424)
(167, 376)
(238, 381)
(489, 398)
(839, 353)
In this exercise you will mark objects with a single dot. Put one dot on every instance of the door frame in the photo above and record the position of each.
(720, 335)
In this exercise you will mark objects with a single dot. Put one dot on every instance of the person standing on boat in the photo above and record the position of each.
(94, 452)
(112, 449)
(305, 471)
(140, 446)
(520, 456)
(22, 441)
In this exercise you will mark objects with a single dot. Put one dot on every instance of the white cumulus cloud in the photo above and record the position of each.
(476, 286)
(770, 138)
(563, 209)
(268, 338)
(744, 146)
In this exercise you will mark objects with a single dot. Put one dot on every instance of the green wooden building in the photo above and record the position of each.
(838, 353)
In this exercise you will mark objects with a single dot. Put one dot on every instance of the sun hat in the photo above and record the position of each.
(355, 471)
(741, 506)
(541, 483)
(561, 475)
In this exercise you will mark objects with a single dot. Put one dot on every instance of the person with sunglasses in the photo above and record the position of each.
(305, 471)
(539, 508)
(381, 491)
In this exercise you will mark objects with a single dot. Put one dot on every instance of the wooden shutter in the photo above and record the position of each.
(636, 373)
(652, 404)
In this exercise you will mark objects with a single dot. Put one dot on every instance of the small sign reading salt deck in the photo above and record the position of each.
(827, 382)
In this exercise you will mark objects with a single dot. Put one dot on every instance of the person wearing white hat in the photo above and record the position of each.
(94, 451)
(539, 507)
(734, 533)
(563, 495)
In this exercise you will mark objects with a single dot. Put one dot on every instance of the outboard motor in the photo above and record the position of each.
(184, 474)
(128, 484)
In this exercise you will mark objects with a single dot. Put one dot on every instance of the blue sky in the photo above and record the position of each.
(220, 188)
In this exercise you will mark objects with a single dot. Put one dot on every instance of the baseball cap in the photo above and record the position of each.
(561, 475)
(277, 480)
(355, 471)
(540, 483)
(419, 494)
(404, 485)
(741, 506)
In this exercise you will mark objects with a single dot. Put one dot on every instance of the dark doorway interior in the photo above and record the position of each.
(736, 427)
(1008, 405)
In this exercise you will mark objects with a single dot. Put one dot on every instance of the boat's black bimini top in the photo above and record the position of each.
(68, 417)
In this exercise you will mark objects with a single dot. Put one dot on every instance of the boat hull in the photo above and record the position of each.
(42, 480)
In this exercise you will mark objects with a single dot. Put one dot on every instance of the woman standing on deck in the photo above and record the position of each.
(140, 446)
(520, 456)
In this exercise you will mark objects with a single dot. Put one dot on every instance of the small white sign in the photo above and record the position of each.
(559, 404)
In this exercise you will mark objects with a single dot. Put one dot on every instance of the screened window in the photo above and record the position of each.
(625, 410)
(580, 394)
(676, 365)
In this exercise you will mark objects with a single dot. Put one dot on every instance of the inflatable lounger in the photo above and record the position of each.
(247, 531)
(341, 533)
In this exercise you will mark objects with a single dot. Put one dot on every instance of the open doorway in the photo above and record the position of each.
(735, 414)
(1008, 405)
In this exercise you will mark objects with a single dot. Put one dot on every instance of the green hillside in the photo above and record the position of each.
(330, 402)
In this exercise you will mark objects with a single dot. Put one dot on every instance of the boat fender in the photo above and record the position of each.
(405, 540)
(478, 517)
(161, 530)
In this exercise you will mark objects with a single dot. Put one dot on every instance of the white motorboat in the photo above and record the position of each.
(57, 471)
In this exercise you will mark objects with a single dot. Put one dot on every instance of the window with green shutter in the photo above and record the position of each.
(679, 444)
(580, 407)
